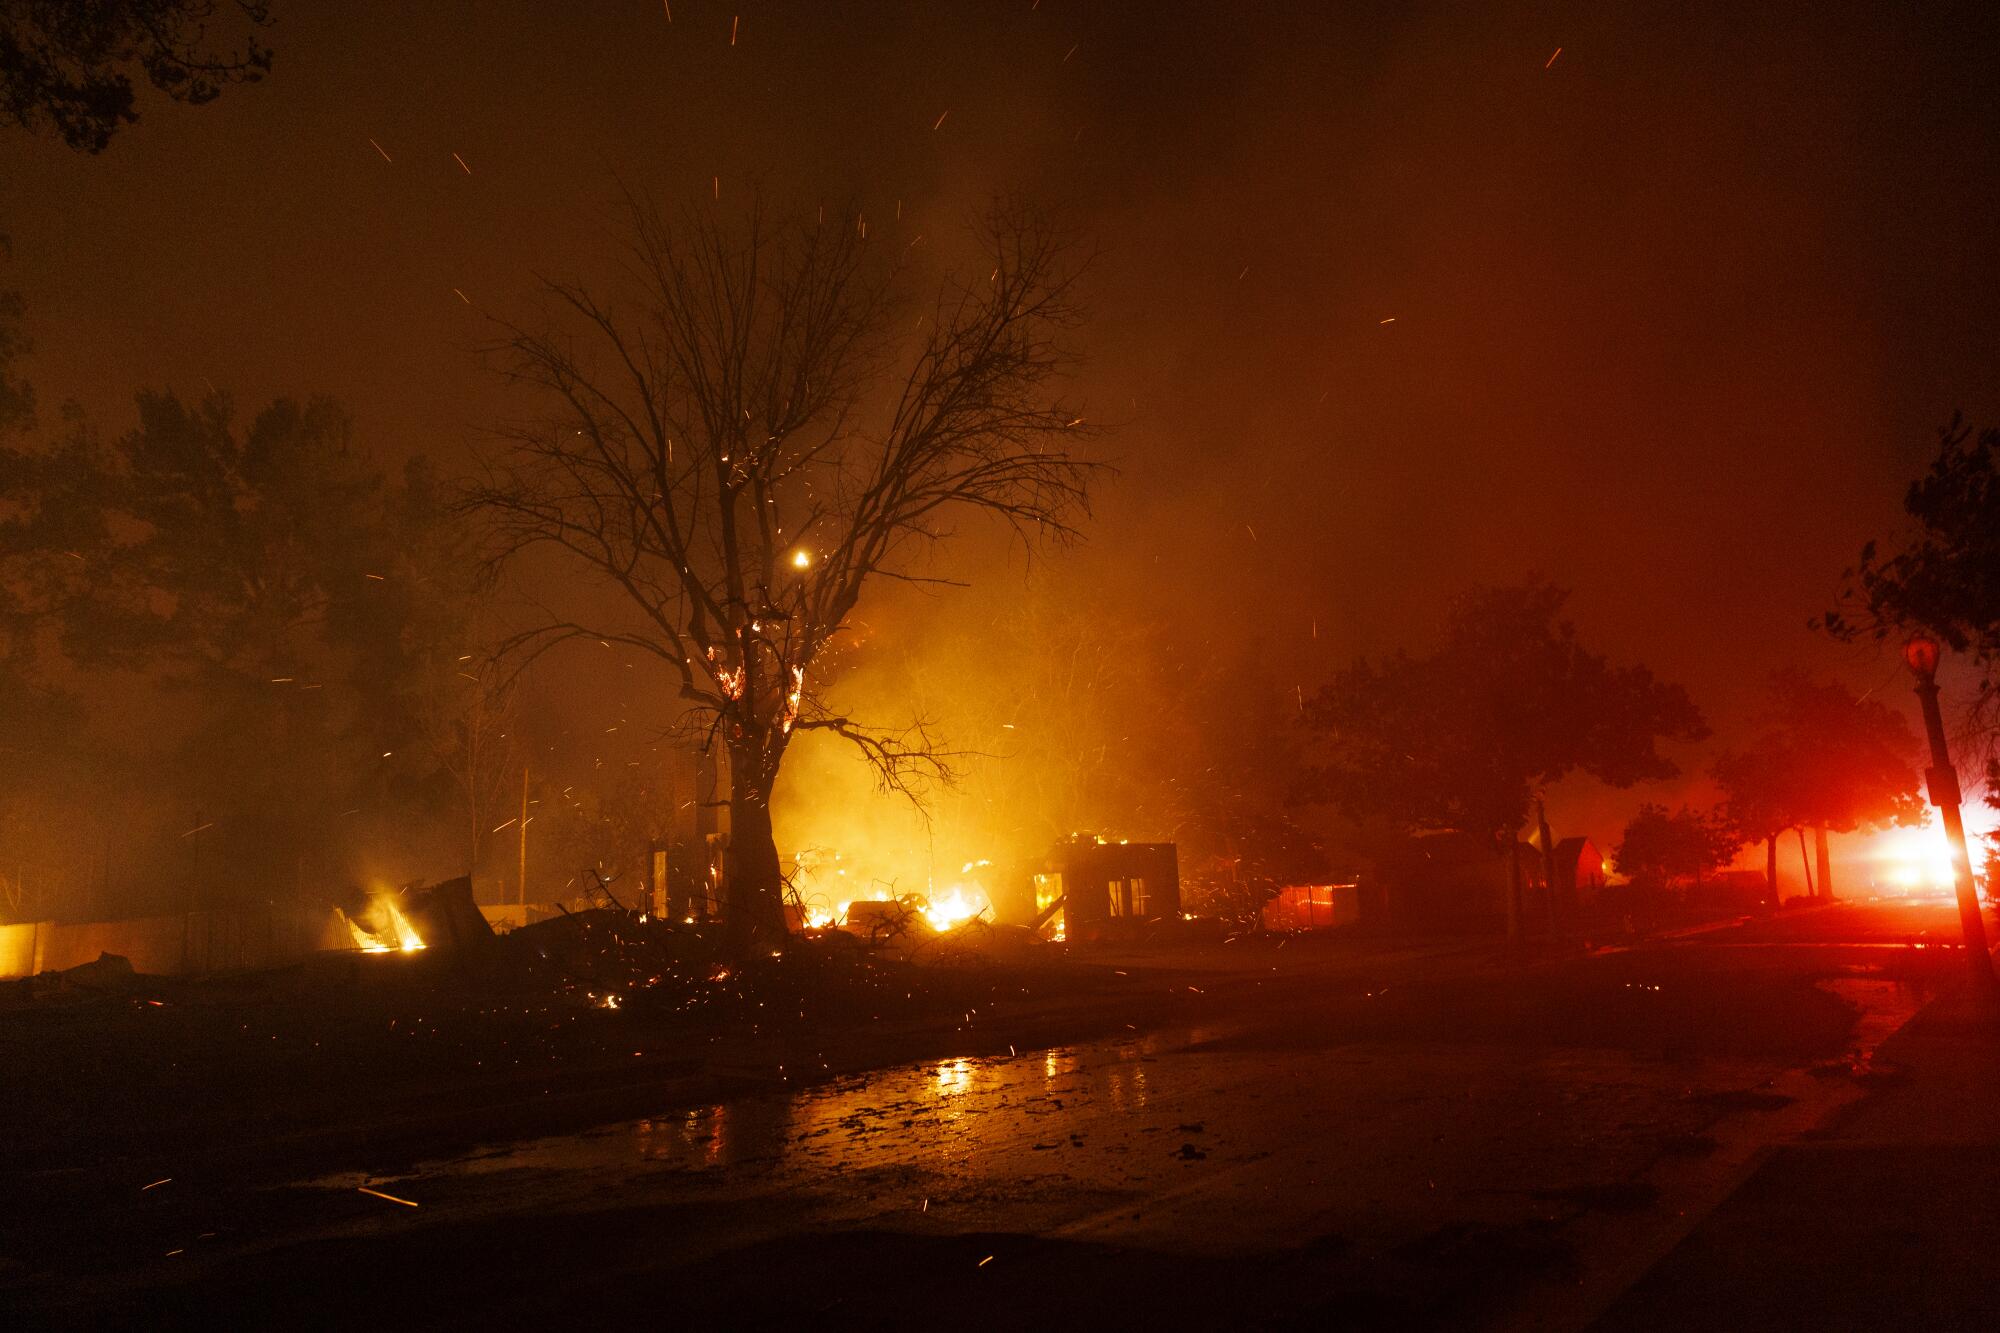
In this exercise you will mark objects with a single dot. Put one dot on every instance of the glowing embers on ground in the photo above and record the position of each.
(382, 927)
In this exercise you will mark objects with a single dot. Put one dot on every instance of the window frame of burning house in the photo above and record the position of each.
(1128, 896)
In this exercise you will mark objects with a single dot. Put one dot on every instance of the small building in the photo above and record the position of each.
(1579, 872)
(1312, 907)
(1097, 889)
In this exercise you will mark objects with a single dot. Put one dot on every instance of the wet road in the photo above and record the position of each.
(1482, 1143)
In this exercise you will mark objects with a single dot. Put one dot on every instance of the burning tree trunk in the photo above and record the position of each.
(757, 433)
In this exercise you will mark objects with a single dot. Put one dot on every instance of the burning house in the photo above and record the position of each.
(1094, 889)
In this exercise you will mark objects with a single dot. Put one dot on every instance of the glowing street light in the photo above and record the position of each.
(1921, 654)
(802, 559)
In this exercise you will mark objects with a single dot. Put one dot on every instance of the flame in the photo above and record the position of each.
(954, 908)
(826, 894)
(397, 935)
(792, 698)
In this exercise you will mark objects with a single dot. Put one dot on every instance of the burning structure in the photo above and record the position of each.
(408, 919)
(1093, 889)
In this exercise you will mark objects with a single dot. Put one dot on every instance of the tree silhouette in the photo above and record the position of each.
(282, 596)
(1659, 848)
(1826, 760)
(759, 432)
(65, 65)
(1944, 579)
(1509, 702)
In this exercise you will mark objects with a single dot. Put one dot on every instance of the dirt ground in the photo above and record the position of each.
(1361, 1134)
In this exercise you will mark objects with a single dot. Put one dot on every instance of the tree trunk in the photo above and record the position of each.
(1513, 887)
(1812, 888)
(1825, 862)
(1771, 867)
(754, 908)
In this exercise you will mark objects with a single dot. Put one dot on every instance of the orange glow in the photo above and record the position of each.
(395, 935)
(826, 892)
(1912, 861)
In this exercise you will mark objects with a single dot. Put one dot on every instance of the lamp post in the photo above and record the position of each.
(1921, 654)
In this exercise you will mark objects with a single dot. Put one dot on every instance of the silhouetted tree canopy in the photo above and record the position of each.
(288, 601)
(65, 65)
(1659, 847)
(1825, 759)
(1509, 702)
(1945, 577)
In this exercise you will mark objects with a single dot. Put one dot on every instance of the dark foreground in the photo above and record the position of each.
(1730, 1128)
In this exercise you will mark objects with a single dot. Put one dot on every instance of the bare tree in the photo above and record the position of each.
(759, 429)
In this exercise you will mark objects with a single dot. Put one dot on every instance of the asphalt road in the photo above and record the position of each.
(1359, 1136)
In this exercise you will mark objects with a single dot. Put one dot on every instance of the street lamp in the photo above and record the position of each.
(1921, 654)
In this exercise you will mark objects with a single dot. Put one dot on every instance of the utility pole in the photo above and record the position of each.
(1921, 653)
(521, 884)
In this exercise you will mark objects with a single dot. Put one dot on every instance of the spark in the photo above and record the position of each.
(461, 164)
(163, 1180)
(407, 1203)
(1072, 51)
(1252, 531)
(716, 185)
(198, 828)
(1390, 320)
(734, 19)
(940, 120)
(987, 1260)
(379, 578)
(385, 155)
(496, 830)
(670, 9)
(1552, 59)
(1244, 274)
(461, 296)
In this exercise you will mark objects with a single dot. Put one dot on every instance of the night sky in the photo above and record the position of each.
(1386, 302)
